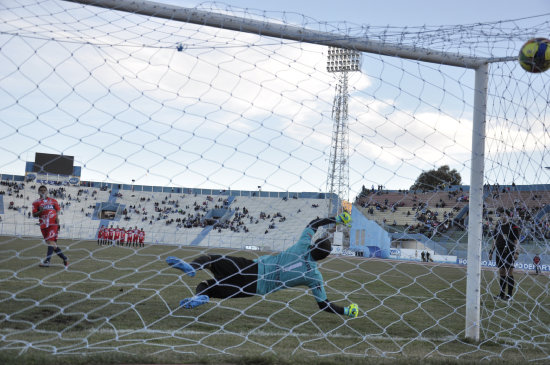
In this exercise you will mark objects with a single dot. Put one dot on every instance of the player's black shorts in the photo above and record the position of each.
(504, 258)
(234, 277)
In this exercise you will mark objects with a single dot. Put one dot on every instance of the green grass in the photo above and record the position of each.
(120, 305)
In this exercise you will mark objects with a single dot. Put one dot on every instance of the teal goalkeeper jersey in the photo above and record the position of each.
(293, 267)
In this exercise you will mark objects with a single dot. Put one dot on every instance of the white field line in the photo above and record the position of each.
(261, 333)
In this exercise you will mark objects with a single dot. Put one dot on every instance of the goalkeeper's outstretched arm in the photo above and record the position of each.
(343, 218)
(351, 311)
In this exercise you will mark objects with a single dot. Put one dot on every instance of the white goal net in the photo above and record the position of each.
(218, 139)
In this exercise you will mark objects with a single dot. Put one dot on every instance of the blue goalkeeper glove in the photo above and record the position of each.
(344, 218)
(352, 311)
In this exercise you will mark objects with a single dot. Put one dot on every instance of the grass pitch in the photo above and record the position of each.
(120, 304)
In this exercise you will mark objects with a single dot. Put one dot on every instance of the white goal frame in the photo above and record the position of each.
(284, 31)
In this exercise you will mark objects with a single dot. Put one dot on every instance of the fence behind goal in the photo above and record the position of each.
(158, 96)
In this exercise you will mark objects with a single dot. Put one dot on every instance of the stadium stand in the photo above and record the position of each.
(441, 216)
(270, 223)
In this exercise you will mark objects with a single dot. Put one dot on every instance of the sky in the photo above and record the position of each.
(397, 12)
(241, 111)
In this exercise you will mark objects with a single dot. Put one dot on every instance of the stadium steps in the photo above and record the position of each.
(201, 236)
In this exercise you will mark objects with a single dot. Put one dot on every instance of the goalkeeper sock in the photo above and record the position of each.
(503, 282)
(49, 254)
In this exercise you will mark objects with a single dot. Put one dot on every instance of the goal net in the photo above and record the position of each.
(220, 139)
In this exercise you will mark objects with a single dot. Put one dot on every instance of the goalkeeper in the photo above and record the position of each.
(237, 277)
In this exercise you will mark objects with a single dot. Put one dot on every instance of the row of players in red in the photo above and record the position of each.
(120, 235)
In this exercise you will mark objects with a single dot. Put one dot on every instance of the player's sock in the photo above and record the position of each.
(180, 264)
(60, 254)
(502, 283)
(511, 283)
(49, 254)
(194, 301)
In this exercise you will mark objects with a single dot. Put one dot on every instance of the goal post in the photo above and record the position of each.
(475, 235)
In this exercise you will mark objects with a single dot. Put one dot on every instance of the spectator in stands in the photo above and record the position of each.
(506, 241)
(536, 262)
(237, 277)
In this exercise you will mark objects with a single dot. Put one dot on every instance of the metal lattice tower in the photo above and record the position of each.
(340, 62)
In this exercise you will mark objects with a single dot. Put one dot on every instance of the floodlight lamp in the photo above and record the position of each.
(343, 60)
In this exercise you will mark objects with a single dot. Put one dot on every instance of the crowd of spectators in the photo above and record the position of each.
(432, 213)
(14, 190)
(416, 206)
(196, 214)
(425, 214)
(204, 211)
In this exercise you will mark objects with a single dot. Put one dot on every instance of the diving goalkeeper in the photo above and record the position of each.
(237, 277)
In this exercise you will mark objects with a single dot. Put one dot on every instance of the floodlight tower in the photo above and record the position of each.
(340, 62)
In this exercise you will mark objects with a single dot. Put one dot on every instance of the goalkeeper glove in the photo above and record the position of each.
(351, 311)
(344, 218)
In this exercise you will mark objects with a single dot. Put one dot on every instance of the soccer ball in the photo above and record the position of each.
(535, 55)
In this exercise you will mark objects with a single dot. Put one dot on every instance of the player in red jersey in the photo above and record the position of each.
(100, 235)
(122, 236)
(105, 237)
(130, 237)
(46, 210)
(117, 235)
(141, 237)
(111, 235)
(136, 236)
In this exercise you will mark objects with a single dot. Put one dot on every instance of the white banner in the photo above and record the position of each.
(416, 255)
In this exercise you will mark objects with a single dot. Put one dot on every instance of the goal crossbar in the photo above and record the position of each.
(285, 31)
